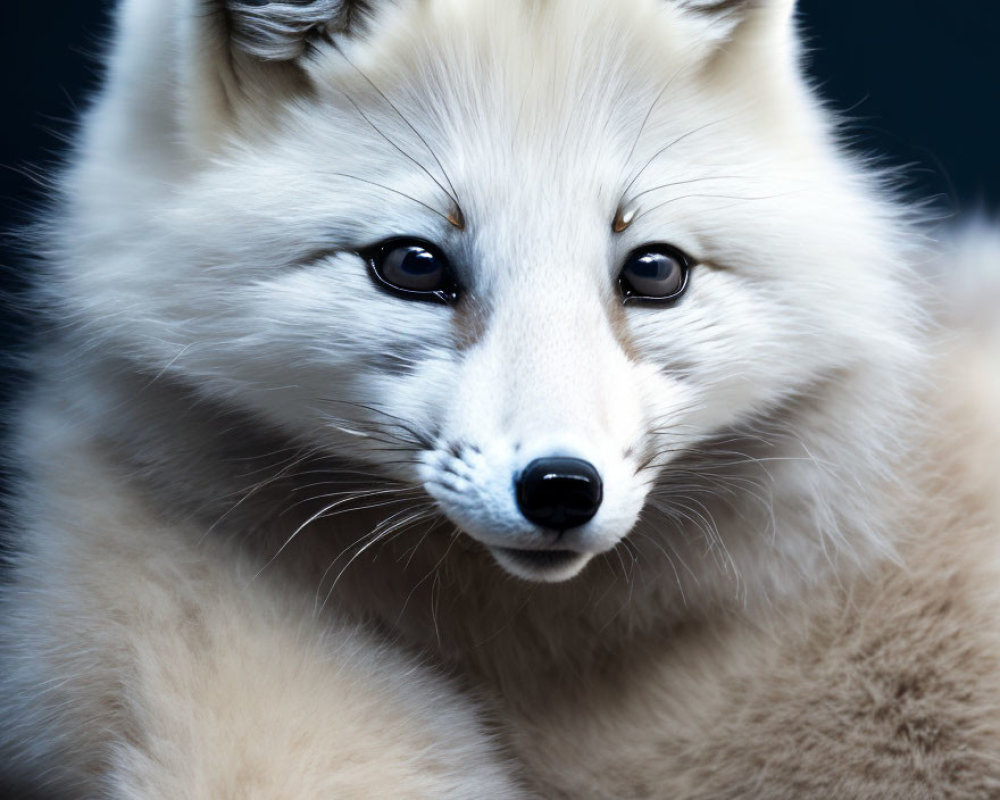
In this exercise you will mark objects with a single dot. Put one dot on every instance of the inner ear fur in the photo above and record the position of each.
(282, 31)
(752, 40)
(240, 59)
(735, 21)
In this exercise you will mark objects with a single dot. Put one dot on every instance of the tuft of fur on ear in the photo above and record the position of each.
(725, 20)
(239, 60)
(745, 40)
(716, 19)
(715, 6)
(282, 31)
(752, 47)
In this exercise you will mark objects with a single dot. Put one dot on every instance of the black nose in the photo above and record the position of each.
(559, 493)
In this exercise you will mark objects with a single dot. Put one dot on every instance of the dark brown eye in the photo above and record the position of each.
(413, 269)
(655, 272)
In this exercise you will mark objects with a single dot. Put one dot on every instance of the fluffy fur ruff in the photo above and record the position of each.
(268, 545)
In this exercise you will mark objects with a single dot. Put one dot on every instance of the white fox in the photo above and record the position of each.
(495, 399)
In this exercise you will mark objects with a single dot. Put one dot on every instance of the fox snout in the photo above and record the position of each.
(542, 517)
(550, 408)
(543, 499)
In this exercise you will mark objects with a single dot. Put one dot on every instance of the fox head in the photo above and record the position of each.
(554, 261)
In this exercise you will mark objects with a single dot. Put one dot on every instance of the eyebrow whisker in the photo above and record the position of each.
(457, 219)
(430, 208)
(663, 150)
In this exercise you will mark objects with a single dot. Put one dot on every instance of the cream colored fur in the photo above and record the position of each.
(263, 504)
(186, 676)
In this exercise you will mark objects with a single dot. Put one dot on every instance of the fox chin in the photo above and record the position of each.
(497, 399)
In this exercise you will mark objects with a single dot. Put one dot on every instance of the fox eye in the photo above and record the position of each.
(413, 269)
(654, 272)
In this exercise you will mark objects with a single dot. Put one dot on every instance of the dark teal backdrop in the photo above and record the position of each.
(919, 79)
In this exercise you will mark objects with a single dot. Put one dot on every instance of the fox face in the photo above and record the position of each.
(531, 257)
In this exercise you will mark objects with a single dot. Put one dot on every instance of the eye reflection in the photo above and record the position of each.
(413, 269)
(654, 272)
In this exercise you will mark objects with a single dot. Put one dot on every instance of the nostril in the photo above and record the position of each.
(559, 493)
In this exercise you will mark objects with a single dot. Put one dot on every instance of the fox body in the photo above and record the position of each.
(495, 398)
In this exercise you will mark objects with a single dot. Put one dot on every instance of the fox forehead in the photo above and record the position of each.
(525, 110)
(559, 80)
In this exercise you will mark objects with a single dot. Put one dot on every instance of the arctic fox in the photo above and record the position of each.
(495, 399)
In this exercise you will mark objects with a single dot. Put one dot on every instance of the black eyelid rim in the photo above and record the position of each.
(687, 264)
(371, 252)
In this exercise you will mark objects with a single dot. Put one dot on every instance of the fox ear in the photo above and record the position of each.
(748, 40)
(239, 60)
(283, 31)
(753, 23)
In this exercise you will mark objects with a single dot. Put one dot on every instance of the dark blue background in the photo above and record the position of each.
(918, 79)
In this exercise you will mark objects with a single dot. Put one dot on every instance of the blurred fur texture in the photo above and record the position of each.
(266, 504)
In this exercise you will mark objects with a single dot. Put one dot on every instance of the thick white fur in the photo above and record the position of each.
(188, 677)
(234, 578)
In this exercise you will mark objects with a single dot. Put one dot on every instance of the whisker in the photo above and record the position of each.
(383, 530)
(658, 206)
(664, 149)
(687, 182)
(258, 487)
(404, 494)
(419, 437)
(459, 222)
(322, 513)
(430, 208)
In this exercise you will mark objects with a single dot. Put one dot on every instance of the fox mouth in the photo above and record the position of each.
(549, 566)
(540, 558)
